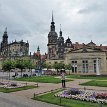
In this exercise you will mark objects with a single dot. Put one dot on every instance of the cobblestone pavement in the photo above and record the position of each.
(23, 98)
(8, 100)
(45, 87)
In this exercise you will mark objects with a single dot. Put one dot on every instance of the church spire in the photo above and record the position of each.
(6, 29)
(5, 33)
(60, 31)
(38, 49)
(52, 19)
(52, 16)
(52, 28)
(5, 37)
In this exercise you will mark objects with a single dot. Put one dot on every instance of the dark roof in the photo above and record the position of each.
(60, 38)
(91, 43)
(68, 40)
(52, 33)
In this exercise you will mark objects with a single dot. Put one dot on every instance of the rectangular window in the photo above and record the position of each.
(85, 65)
(94, 65)
(74, 66)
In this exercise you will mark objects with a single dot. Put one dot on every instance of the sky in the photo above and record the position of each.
(81, 21)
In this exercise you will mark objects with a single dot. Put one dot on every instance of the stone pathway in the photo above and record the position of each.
(45, 87)
(9, 100)
(76, 82)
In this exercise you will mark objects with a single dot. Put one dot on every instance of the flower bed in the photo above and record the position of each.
(84, 95)
(11, 84)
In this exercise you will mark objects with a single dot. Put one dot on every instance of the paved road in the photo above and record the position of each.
(8, 100)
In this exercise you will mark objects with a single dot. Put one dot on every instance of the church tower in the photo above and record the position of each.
(52, 41)
(60, 45)
(5, 37)
(4, 43)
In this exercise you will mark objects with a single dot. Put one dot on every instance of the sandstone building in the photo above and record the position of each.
(84, 58)
(16, 48)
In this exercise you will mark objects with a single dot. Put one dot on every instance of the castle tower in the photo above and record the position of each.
(5, 37)
(52, 41)
(60, 45)
(4, 43)
(68, 45)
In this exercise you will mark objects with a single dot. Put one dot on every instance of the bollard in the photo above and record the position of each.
(51, 91)
(84, 88)
(26, 83)
(100, 104)
(60, 100)
(34, 95)
(37, 84)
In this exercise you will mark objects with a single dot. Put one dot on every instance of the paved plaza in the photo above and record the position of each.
(23, 98)
(45, 87)
(8, 100)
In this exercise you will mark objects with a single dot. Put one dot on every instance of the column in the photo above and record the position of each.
(97, 67)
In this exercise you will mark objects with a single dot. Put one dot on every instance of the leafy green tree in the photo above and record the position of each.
(68, 67)
(21, 64)
(48, 66)
(61, 65)
(30, 65)
(7, 65)
(58, 66)
(44, 65)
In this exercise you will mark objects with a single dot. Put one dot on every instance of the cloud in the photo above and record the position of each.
(30, 20)
(95, 7)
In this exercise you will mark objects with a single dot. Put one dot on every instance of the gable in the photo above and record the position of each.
(86, 50)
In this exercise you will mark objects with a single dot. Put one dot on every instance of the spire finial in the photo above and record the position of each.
(6, 29)
(60, 31)
(60, 27)
(38, 49)
(52, 16)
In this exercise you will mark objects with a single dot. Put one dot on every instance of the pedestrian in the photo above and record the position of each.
(63, 78)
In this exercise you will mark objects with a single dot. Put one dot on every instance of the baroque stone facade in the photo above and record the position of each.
(56, 45)
(16, 48)
(84, 58)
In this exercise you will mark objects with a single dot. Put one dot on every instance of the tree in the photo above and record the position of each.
(61, 65)
(48, 66)
(55, 66)
(58, 66)
(68, 67)
(20, 63)
(30, 65)
(8, 65)
(44, 65)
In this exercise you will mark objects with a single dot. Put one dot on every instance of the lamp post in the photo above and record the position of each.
(39, 65)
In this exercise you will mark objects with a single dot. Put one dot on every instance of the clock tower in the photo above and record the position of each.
(52, 41)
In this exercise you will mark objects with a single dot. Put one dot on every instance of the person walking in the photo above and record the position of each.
(63, 78)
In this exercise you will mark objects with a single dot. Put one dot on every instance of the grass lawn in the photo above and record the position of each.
(99, 83)
(50, 98)
(86, 77)
(7, 90)
(41, 79)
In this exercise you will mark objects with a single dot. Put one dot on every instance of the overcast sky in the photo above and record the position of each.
(81, 20)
